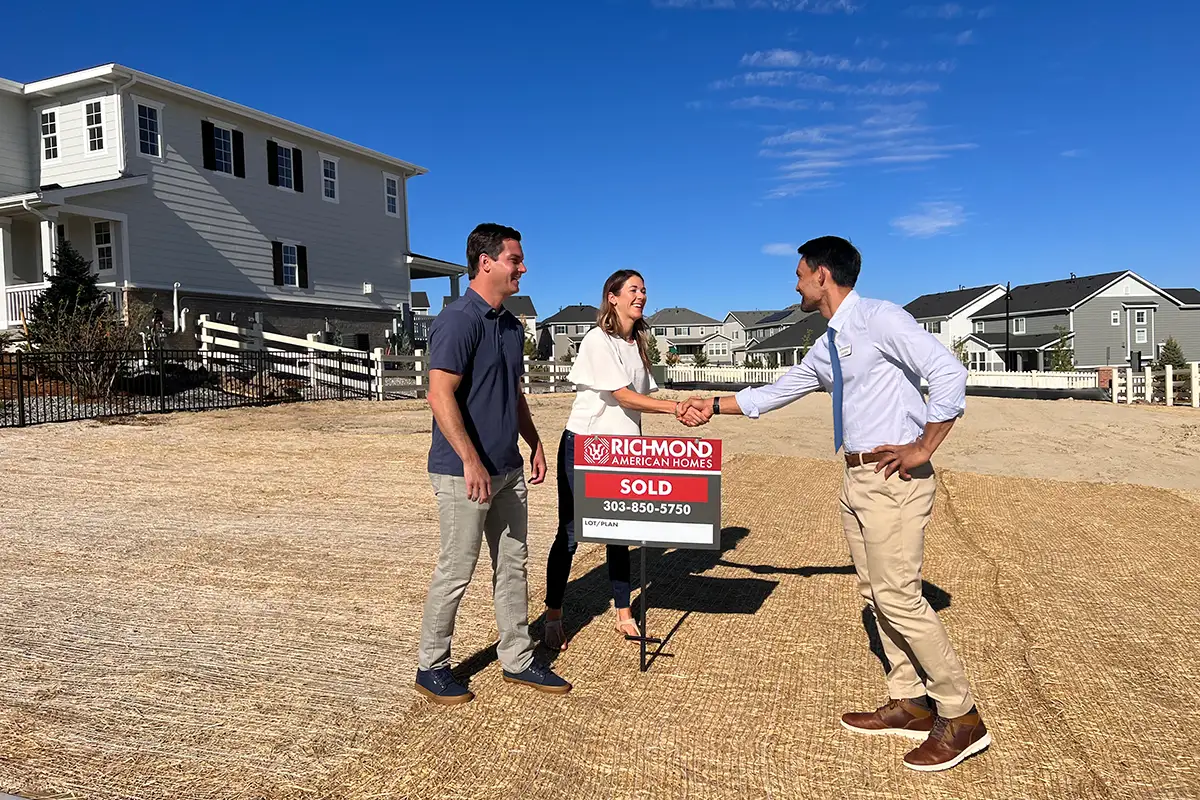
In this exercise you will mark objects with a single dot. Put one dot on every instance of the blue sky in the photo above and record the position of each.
(700, 141)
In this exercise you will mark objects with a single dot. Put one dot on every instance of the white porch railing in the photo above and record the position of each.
(18, 299)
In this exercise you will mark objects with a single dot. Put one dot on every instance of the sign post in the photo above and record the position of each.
(652, 491)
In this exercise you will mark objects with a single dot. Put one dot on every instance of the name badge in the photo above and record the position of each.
(844, 350)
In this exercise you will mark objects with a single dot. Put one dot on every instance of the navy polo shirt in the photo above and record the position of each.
(486, 347)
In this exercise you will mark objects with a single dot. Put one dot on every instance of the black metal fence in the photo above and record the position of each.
(42, 387)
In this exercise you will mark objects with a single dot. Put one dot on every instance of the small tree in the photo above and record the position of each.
(807, 342)
(652, 349)
(959, 348)
(672, 359)
(1171, 354)
(753, 362)
(531, 349)
(71, 296)
(700, 359)
(1060, 354)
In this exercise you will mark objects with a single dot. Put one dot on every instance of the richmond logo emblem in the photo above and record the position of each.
(595, 450)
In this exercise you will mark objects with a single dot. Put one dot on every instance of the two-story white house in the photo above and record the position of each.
(188, 201)
(560, 334)
(947, 315)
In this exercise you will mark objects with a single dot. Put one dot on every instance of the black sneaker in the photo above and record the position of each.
(440, 686)
(540, 678)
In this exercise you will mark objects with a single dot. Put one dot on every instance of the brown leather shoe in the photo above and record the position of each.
(901, 717)
(950, 741)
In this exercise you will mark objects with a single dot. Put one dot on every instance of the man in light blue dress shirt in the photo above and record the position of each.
(871, 361)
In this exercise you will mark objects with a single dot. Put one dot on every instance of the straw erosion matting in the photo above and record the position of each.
(227, 605)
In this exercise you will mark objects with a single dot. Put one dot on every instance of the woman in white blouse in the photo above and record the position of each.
(612, 378)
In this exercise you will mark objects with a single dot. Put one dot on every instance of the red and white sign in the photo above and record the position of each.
(627, 486)
(670, 453)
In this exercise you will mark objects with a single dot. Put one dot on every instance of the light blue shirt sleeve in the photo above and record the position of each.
(897, 335)
(795, 383)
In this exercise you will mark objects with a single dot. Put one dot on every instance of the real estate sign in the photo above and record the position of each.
(661, 491)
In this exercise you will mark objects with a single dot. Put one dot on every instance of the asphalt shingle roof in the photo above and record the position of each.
(750, 318)
(943, 304)
(681, 316)
(1187, 296)
(521, 305)
(573, 314)
(814, 325)
(419, 300)
(1050, 295)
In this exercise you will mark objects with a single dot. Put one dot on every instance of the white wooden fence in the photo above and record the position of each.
(360, 373)
(1169, 385)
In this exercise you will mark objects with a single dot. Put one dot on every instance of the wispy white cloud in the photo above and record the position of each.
(950, 11)
(933, 219)
(776, 58)
(810, 81)
(1073, 153)
(779, 249)
(810, 6)
(758, 101)
(965, 38)
(793, 189)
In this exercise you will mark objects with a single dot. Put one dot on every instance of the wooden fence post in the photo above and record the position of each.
(1114, 384)
(1196, 384)
(419, 368)
(1170, 384)
(1149, 385)
(312, 361)
(525, 375)
(1129, 386)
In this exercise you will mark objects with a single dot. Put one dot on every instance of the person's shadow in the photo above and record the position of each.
(674, 581)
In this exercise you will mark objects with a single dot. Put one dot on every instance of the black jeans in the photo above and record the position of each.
(558, 569)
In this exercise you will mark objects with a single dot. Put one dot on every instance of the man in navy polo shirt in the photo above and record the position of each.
(476, 363)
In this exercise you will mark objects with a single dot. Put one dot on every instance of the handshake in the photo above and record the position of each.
(694, 412)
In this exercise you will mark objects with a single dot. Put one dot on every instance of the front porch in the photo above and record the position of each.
(29, 242)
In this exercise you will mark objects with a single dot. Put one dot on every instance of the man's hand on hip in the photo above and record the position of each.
(901, 458)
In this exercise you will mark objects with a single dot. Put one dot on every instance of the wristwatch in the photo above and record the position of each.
(716, 406)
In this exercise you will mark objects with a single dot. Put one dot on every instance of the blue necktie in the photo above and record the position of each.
(837, 390)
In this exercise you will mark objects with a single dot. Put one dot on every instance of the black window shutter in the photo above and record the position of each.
(272, 163)
(277, 257)
(297, 170)
(239, 154)
(302, 265)
(209, 142)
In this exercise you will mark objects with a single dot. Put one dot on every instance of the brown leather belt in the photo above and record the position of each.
(859, 459)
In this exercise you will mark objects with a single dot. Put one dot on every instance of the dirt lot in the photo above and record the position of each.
(226, 605)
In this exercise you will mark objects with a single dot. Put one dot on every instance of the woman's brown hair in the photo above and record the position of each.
(608, 321)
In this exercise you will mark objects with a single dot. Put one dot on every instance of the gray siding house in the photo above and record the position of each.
(1108, 320)
(736, 326)
(687, 333)
(182, 199)
(559, 334)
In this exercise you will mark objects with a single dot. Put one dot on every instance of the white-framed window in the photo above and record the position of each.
(291, 265)
(660, 331)
(934, 327)
(582, 328)
(223, 149)
(49, 121)
(149, 115)
(1139, 316)
(329, 177)
(391, 195)
(1018, 325)
(104, 245)
(283, 168)
(560, 329)
(1139, 336)
(682, 332)
(979, 326)
(93, 122)
(1115, 317)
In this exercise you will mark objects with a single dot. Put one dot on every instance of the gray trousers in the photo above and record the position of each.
(504, 520)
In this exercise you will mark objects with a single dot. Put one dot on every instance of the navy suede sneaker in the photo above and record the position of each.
(440, 686)
(540, 678)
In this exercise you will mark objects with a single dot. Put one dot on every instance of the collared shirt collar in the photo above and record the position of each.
(484, 307)
(838, 321)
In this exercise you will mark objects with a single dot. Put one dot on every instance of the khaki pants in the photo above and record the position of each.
(504, 521)
(884, 521)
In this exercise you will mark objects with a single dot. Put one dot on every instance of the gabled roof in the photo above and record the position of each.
(107, 74)
(419, 300)
(521, 305)
(573, 314)
(748, 318)
(788, 316)
(812, 327)
(681, 316)
(947, 304)
(1188, 297)
(1035, 341)
(1051, 295)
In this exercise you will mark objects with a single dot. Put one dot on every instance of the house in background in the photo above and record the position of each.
(772, 324)
(521, 306)
(947, 315)
(1106, 318)
(687, 333)
(789, 345)
(559, 334)
(178, 197)
(420, 303)
(735, 326)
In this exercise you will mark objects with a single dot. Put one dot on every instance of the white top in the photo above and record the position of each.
(604, 364)
(884, 353)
